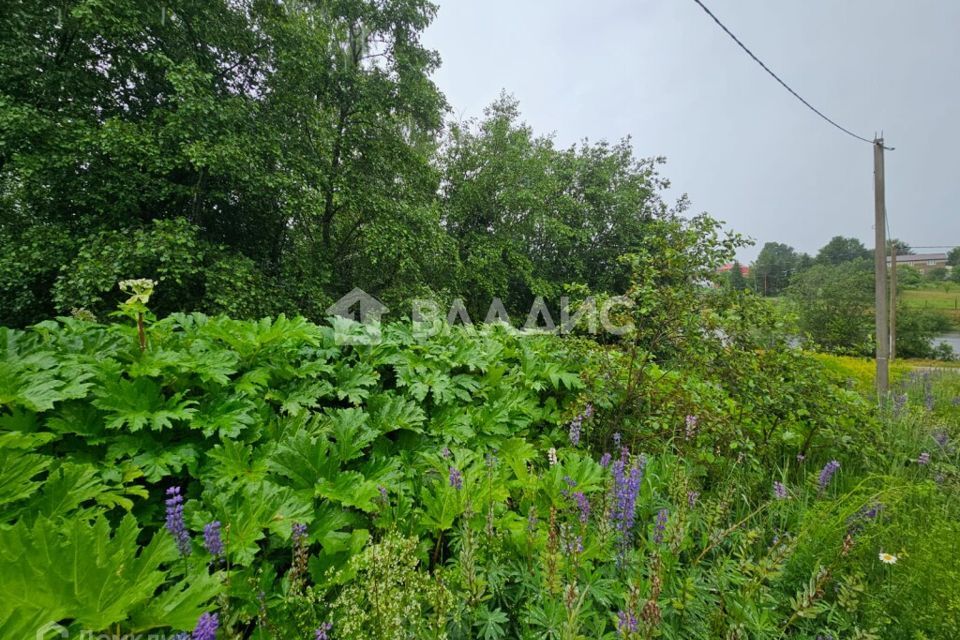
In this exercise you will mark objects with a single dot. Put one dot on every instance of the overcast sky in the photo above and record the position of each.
(745, 150)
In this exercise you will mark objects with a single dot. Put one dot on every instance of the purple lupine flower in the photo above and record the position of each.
(572, 543)
(923, 458)
(212, 540)
(206, 628)
(691, 424)
(626, 623)
(616, 439)
(827, 473)
(588, 411)
(532, 520)
(801, 457)
(626, 486)
(456, 478)
(298, 567)
(605, 460)
(175, 524)
(583, 505)
(899, 402)
(384, 496)
(575, 426)
(941, 437)
(298, 532)
(322, 631)
(859, 520)
(445, 453)
(660, 526)
(779, 490)
(692, 497)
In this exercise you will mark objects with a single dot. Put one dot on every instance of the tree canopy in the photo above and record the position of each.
(299, 146)
(841, 249)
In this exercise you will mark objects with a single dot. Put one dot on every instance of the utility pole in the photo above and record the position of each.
(893, 302)
(880, 269)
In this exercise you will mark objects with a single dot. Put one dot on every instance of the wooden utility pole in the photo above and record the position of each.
(893, 302)
(880, 268)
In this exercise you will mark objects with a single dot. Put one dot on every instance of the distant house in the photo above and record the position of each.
(744, 269)
(923, 262)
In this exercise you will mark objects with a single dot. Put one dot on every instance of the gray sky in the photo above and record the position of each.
(743, 148)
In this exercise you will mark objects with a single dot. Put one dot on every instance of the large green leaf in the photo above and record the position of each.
(93, 575)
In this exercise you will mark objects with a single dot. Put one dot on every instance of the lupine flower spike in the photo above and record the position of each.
(175, 524)
(827, 473)
(322, 631)
(626, 623)
(456, 478)
(206, 628)
(779, 490)
(212, 540)
(660, 526)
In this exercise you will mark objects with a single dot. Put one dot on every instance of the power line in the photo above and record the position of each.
(777, 78)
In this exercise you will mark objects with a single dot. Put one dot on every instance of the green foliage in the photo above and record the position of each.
(209, 113)
(916, 329)
(775, 266)
(840, 250)
(835, 305)
(432, 502)
(737, 281)
(84, 572)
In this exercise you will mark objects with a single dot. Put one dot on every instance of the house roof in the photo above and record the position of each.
(922, 257)
(744, 269)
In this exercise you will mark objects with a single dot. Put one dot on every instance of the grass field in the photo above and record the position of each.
(944, 298)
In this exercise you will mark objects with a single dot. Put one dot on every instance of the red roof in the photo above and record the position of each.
(744, 269)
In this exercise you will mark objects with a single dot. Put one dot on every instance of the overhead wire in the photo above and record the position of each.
(784, 84)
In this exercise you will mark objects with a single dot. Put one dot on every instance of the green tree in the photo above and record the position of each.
(901, 247)
(737, 281)
(298, 135)
(840, 250)
(834, 305)
(774, 267)
(953, 257)
(908, 277)
(916, 329)
(528, 218)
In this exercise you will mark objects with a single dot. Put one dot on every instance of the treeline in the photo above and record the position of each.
(777, 264)
(259, 157)
(832, 295)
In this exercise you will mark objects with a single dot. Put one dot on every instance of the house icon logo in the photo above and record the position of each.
(52, 630)
(360, 306)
